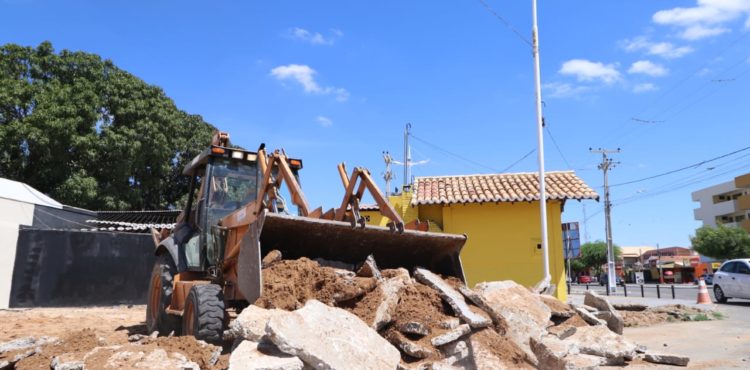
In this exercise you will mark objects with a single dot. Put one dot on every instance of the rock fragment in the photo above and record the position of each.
(369, 268)
(452, 297)
(517, 307)
(551, 351)
(614, 319)
(600, 341)
(249, 355)
(413, 328)
(408, 347)
(389, 290)
(270, 258)
(326, 338)
(450, 323)
(587, 316)
(251, 322)
(667, 359)
(630, 306)
(451, 336)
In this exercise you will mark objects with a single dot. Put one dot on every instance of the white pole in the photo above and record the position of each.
(540, 149)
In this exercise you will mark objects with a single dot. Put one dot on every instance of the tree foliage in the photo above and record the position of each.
(722, 242)
(89, 134)
(594, 254)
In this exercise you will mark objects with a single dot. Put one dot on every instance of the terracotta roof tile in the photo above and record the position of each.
(505, 187)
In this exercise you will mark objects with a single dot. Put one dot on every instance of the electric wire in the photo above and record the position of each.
(694, 165)
(519, 161)
(450, 153)
(558, 148)
(506, 23)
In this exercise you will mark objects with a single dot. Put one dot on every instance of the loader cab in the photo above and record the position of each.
(223, 180)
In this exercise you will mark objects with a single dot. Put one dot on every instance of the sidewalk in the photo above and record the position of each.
(651, 302)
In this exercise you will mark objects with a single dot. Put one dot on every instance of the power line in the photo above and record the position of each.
(448, 152)
(505, 22)
(558, 148)
(519, 161)
(694, 165)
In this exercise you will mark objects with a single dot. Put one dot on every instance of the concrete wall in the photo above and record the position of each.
(77, 268)
(708, 210)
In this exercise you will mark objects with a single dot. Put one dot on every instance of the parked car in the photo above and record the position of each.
(732, 280)
(585, 279)
(604, 280)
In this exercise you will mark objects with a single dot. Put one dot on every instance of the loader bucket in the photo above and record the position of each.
(297, 237)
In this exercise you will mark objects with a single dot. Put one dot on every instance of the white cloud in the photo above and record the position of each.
(705, 19)
(324, 121)
(315, 38)
(564, 90)
(644, 87)
(663, 49)
(305, 76)
(698, 32)
(586, 70)
(648, 68)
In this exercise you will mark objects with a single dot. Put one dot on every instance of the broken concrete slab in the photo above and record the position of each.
(328, 338)
(408, 347)
(550, 351)
(335, 264)
(484, 357)
(600, 341)
(271, 258)
(516, 307)
(614, 321)
(581, 361)
(251, 322)
(389, 291)
(452, 297)
(587, 316)
(67, 362)
(369, 268)
(450, 323)
(25, 343)
(249, 355)
(557, 308)
(458, 350)
(451, 336)
(587, 308)
(562, 331)
(413, 328)
(667, 359)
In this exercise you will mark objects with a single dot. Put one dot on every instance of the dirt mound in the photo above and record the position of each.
(288, 284)
(662, 314)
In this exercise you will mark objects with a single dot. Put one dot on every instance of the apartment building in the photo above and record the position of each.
(727, 203)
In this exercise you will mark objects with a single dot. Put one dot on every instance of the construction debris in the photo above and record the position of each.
(611, 316)
(318, 317)
(660, 358)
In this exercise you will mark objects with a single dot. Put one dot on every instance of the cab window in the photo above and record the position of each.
(743, 268)
(728, 267)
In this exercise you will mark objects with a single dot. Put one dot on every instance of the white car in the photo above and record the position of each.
(732, 280)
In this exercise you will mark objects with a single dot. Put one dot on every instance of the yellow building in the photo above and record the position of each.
(500, 216)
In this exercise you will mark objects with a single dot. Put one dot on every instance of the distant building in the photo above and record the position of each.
(727, 203)
(631, 255)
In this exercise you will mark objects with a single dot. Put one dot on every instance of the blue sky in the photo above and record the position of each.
(337, 80)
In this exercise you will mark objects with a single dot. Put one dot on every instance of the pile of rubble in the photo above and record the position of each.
(328, 315)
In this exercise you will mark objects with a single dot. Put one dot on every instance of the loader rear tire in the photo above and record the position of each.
(160, 296)
(204, 313)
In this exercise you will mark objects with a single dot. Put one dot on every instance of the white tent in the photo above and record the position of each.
(20, 192)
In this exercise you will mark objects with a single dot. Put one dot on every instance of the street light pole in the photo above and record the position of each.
(545, 283)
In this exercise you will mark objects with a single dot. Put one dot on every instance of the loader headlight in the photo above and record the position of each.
(252, 157)
(237, 155)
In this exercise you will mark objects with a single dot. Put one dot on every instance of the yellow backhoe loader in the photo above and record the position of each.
(235, 214)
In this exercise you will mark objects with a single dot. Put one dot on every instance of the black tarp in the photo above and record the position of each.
(80, 268)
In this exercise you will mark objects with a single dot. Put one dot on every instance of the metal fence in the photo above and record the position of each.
(666, 291)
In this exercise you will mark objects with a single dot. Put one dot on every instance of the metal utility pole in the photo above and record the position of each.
(407, 155)
(658, 264)
(387, 175)
(605, 166)
(540, 148)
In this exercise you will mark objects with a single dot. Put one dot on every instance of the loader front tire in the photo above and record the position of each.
(204, 313)
(160, 296)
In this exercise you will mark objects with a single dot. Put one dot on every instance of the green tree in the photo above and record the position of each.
(89, 134)
(722, 242)
(594, 255)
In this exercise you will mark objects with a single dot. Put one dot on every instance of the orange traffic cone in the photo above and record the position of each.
(703, 297)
